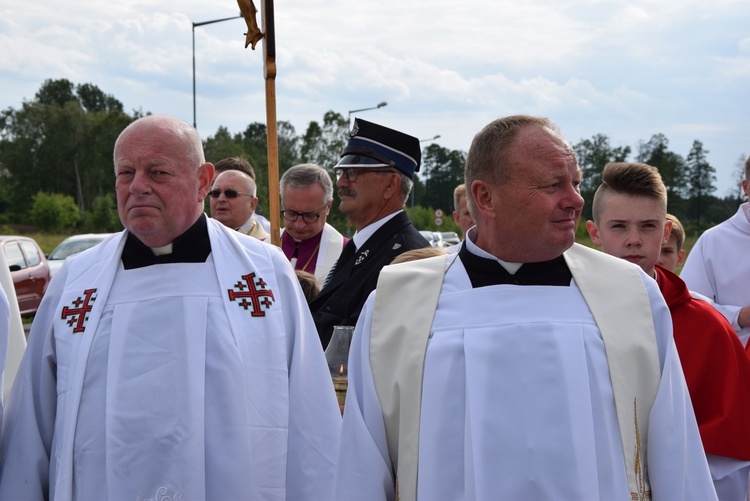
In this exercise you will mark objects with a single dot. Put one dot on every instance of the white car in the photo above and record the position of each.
(434, 237)
(73, 245)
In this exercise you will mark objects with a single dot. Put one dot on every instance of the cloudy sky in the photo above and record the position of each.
(627, 69)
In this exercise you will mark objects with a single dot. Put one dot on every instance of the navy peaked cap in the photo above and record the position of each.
(372, 145)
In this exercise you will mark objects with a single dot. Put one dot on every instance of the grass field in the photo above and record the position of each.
(48, 241)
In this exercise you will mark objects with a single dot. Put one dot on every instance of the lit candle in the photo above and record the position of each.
(340, 384)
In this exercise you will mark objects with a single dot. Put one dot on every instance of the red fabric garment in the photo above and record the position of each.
(716, 367)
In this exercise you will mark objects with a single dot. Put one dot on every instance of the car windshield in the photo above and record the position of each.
(66, 249)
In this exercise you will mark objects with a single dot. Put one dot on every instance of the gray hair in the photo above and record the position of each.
(406, 186)
(304, 175)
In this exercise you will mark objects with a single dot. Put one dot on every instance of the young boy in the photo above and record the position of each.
(630, 222)
(672, 253)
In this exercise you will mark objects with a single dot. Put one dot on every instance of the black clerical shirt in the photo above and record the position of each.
(193, 246)
(483, 272)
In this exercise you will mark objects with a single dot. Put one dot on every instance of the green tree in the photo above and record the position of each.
(701, 177)
(671, 167)
(323, 144)
(55, 92)
(443, 170)
(56, 145)
(223, 145)
(54, 212)
(103, 218)
(593, 155)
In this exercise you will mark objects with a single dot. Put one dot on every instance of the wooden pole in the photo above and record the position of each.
(269, 73)
(253, 35)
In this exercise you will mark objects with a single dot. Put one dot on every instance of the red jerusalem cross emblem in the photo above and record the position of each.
(79, 313)
(252, 293)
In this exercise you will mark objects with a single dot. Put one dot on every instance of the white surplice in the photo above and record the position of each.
(4, 335)
(15, 342)
(174, 390)
(517, 404)
(718, 267)
(331, 245)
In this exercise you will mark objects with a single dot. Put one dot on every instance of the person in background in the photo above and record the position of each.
(239, 163)
(718, 268)
(630, 209)
(422, 253)
(175, 360)
(672, 254)
(309, 284)
(374, 181)
(461, 214)
(524, 366)
(232, 202)
(308, 241)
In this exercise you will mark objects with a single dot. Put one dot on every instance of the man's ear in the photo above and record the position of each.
(483, 198)
(593, 232)
(205, 178)
(393, 188)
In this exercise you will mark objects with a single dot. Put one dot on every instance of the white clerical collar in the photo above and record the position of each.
(361, 236)
(247, 226)
(162, 251)
(471, 235)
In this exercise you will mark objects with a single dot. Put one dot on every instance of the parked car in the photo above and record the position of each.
(434, 237)
(450, 238)
(72, 245)
(29, 270)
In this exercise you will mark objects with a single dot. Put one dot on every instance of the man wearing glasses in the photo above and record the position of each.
(308, 241)
(233, 201)
(374, 181)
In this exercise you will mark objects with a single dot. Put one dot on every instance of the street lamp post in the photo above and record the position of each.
(429, 139)
(349, 115)
(203, 23)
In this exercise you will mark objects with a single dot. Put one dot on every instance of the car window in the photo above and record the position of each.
(69, 248)
(31, 252)
(13, 254)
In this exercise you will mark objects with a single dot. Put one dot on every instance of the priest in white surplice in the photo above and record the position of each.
(524, 366)
(176, 360)
(717, 265)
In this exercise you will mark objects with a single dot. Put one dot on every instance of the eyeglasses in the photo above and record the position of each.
(351, 173)
(307, 217)
(227, 193)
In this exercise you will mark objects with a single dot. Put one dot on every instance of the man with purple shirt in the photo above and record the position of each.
(308, 241)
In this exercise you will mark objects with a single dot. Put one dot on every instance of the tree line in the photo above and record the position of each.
(56, 168)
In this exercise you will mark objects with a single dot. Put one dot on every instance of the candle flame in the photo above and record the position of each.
(341, 370)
